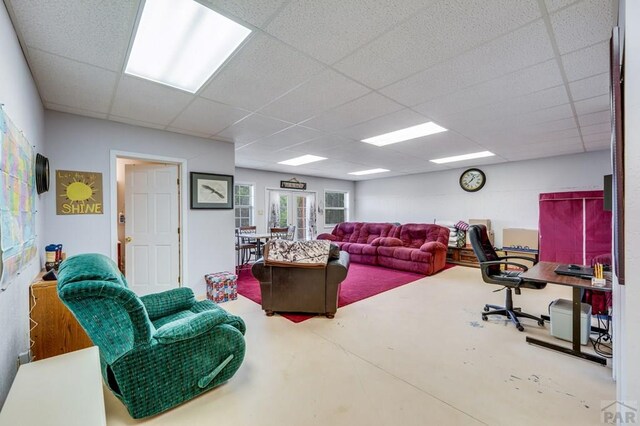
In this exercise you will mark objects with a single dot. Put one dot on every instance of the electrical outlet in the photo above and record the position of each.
(24, 358)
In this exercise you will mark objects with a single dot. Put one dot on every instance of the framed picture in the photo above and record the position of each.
(211, 191)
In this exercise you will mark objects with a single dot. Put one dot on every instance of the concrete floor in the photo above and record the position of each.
(415, 355)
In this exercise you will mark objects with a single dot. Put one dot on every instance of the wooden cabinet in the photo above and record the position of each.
(462, 256)
(55, 330)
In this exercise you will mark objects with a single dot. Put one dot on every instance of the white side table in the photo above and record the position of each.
(62, 390)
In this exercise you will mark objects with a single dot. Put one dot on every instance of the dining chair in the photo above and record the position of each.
(280, 233)
(245, 247)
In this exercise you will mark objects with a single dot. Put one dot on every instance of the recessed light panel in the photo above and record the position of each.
(181, 43)
(463, 157)
(424, 129)
(368, 172)
(305, 159)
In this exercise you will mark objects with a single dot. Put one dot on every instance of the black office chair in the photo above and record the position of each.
(492, 272)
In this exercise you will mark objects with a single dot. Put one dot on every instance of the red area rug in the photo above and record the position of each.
(363, 281)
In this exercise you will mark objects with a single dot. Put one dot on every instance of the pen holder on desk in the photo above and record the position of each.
(598, 282)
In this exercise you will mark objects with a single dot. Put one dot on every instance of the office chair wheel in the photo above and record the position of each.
(541, 323)
(484, 317)
(519, 327)
(486, 308)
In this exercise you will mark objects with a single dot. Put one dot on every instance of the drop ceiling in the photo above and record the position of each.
(524, 79)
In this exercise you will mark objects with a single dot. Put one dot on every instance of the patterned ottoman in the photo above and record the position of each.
(222, 286)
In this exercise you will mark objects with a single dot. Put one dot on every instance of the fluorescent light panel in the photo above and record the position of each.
(368, 172)
(463, 157)
(305, 159)
(181, 43)
(424, 129)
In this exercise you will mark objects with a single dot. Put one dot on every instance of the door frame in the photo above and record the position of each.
(182, 208)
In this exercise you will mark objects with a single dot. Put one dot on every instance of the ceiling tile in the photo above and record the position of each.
(590, 87)
(319, 94)
(596, 104)
(188, 132)
(436, 146)
(553, 5)
(330, 29)
(530, 80)
(525, 47)
(73, 84)
(259, 73)
(594, 129)
(288, 137)
(208, 117)
(94, 32)
(365, 108)
(252, 127)
(600, 145)
(71, 110)
(587, 62)
(387, 123)
(445, 30)
(255, 12)
(322, 145)
(595, 118)
(139, 123)
(598, 139)
(583, 24)
(144, 100)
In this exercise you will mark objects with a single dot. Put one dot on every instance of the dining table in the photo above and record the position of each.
(259, 237)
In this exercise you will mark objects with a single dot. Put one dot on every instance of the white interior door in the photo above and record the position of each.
(152, 227)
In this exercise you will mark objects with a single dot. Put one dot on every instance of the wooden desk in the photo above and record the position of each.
(544, 272)
(65, 390)
(55, 330)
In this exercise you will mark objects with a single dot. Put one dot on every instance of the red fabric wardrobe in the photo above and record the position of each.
(575, 228)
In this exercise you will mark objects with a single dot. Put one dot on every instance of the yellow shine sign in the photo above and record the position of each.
(78, 192)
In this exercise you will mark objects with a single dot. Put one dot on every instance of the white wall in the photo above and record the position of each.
(85, 144)
(22, 103)
(509, 198)
(628, 369)
(263, 180)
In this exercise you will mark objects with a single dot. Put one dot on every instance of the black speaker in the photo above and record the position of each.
(42, 173)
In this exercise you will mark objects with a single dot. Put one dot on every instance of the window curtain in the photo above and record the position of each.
(311, 216)
(274, 209)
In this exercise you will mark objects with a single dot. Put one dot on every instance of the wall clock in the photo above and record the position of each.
(472, 180)
(42, 173)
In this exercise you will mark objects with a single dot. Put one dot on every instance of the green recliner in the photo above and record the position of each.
(156, 351)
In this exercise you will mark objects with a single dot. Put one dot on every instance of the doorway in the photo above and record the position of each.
(292, 208)
(148, 220)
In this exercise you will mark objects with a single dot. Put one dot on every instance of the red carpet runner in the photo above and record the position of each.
(363, 281)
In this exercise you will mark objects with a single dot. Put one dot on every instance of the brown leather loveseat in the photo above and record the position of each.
(300, 289)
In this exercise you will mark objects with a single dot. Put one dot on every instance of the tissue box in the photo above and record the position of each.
(222, 286)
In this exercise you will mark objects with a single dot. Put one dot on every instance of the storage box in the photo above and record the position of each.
(561, 312)
(520, 239)
(222, 286)
(485, 222)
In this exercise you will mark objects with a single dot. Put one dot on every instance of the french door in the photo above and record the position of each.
(298, 208)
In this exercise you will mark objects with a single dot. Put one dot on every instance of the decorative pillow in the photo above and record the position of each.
(463, 226)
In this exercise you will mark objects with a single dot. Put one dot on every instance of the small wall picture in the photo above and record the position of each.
(78, 192)
(211, 191)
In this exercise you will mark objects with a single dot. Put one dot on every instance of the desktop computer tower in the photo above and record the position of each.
(561, 313)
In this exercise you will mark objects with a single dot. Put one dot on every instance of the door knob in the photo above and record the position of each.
(128, 239)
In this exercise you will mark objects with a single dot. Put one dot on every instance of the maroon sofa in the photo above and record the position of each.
(415, 247)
